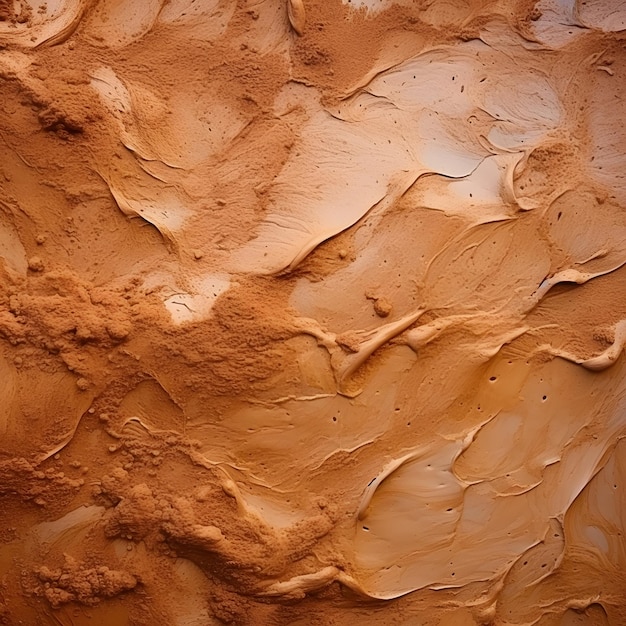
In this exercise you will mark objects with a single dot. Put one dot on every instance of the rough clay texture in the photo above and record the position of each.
(312, 312)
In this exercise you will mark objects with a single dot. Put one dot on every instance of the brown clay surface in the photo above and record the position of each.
(312, 312)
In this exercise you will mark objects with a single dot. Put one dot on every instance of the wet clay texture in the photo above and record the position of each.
(312, 312)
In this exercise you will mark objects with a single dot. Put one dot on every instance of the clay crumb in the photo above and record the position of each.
(35, 264)
(76, 583)
(382, 306)
(349, 340)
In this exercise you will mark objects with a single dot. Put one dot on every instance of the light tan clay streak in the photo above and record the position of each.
(387, 470)
(381, 336)
(604, 360)
(568, 276)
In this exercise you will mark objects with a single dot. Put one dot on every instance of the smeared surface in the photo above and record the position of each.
(312, 312)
